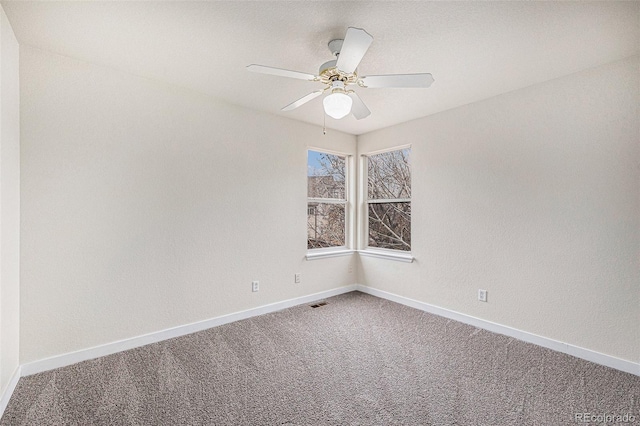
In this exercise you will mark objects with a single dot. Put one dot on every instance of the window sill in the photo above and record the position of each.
(389, 255)
(323, 254)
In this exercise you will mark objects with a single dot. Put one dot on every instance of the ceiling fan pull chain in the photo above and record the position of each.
(324, 123)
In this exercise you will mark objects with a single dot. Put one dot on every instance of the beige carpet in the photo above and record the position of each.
(358, 360)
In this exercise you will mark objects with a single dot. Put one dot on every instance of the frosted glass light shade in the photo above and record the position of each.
(337, 105)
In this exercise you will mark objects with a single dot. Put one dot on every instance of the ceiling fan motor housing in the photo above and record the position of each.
(328, 71)
(327, 66)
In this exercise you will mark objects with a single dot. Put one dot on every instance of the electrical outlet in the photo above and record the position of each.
(296, 278)
(482, 295)
(255, 286)
(350, 267)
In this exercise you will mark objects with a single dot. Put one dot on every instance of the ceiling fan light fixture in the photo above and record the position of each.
(338, 104)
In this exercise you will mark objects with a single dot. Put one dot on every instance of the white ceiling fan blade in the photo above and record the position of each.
(355, 45)
(303, 100)
(358, 108)
(398, 80)
(280, 72)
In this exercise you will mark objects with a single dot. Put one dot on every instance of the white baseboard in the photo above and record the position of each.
(8, 391)
(579, 352)
(135, 342)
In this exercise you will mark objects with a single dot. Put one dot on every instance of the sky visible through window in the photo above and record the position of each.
(313, 163)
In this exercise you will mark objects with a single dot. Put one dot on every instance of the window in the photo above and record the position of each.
(389, 200)
(326, 200)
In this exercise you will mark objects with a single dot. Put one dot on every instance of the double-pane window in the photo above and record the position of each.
(389, 200)
(326, 200)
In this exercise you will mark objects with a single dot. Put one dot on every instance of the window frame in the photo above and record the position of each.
(347, 202)
(363, 237)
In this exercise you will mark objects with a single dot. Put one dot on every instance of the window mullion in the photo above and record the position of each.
(390, 200)
(326, 200)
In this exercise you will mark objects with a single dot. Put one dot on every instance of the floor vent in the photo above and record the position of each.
(317, 305)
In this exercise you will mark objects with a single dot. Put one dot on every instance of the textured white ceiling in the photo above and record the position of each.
(474, 50)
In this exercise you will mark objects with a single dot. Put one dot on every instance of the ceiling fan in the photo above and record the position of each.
(340, 75)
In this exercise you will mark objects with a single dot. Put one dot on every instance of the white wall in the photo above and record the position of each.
(146, 206)
(533, 196)
(9, 203)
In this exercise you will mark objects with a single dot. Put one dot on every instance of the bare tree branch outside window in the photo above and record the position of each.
(326, 192)
(389, 199)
